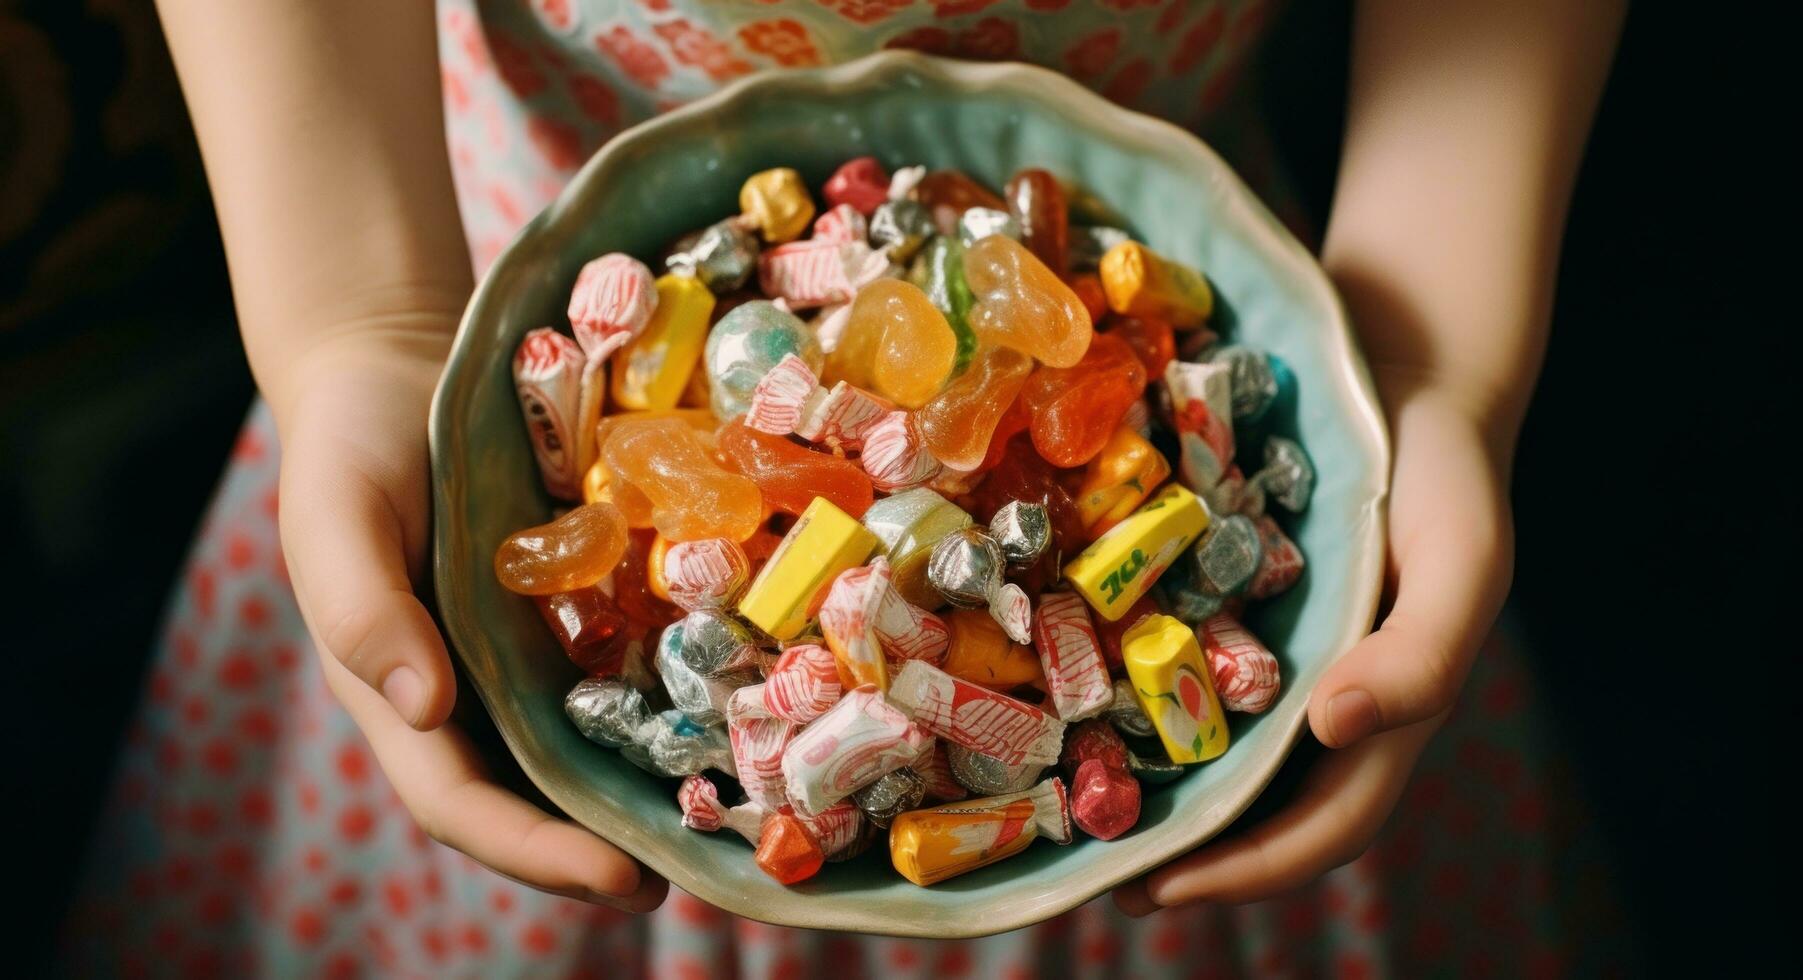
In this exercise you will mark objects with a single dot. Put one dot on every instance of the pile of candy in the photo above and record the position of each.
(778, 513)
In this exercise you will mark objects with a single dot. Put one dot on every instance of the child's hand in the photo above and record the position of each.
(355, 522)
(1450, 555)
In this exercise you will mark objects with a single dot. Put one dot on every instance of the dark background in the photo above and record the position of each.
(1653, 511)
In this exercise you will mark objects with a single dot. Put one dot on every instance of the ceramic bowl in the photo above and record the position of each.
(682, 171)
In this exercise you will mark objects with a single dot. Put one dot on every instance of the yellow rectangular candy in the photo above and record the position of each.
(824, 542)
(1164, 664)
(1118, 567)
(655, 367)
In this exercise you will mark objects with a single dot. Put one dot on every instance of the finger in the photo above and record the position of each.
(347, 555)
(439, 778)
(1342, 805)
(1451, 551)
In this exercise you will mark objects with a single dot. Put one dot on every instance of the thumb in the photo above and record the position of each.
(347, 547)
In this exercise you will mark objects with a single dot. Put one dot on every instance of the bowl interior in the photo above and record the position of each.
(682, 171)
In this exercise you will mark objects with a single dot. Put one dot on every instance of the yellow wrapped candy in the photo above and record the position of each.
(824, 542)
(1118, 567)
(981, 652)
(1140, 282)
(1164, 664)
(777, 203)
(654, 369)
(1126, 470)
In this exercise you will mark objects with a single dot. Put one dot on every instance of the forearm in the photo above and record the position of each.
(323, 135)
(1464, 131)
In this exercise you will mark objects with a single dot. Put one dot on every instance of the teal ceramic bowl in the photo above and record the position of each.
(682, 171)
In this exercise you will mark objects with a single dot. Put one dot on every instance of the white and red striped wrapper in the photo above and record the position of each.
(707, 574)
(862, 738)
(758, 739)
(703, 811)
(894, 456)
(547, 376)
(1280, 561)
(841, 223)
(1075, 673)
(1201, 399)
(829, 325)
(839, 829)
(1245, 673)
(811, 273)
(935, 768)
(1229, 495)
(614, 298)
(902, 182)
(908, 632)
(803, 684)
(1010, 607)
(848, 619)
(975, 717)
(789, 399)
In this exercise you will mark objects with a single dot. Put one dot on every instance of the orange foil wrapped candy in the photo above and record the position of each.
(575, 551)
(786, 851)
(929, 846)
(547, 376)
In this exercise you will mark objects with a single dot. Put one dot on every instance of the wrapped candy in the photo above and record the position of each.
(1121, 565)
(901, 227)
(609, 712)
(1201, 406)
(1224, 559)
(1251, 382)
(789, 399)
(975, 717)
(1280, 561)
(1019, 303)
(654, 369)
(982, 653)
(986, 775)
(908, 525)
(786, 850)
(848, 619)
(966, 568)
(839, 829)
(573, 552)
(1071, 656)
(710, 573)
(1118, 479)
(934, 765)
(906, 631)
(758, 739)
(699, 800)
(1152, 768)
(744, 345)
(1164, 662)
(1245, 674)
(895, 455)
(1126, 714)
(1109, 633)
(811, 273)
(851, 746)
(841, 223)
(611, 304)
(860, 183)
(715, 644)
(1023, 530)
(929, 846)
(947, 194)
(1287, 477)
(701, 697)
(977, 224)
(890, 796)
(722, 255)
(547, 376)
(824, 542)
(1104, 795)
(903, 182)
(776, 203)
(1140, 282)
(590, 627)
(803, 684)
(1088, 243)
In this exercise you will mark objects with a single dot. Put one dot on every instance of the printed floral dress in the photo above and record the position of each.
(249, 830)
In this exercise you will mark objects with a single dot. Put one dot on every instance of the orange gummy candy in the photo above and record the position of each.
(1020, 303)
(1076, 409)
(956, 425)
(790, 475)
(895, 342)
(573, 552)
(692, 496)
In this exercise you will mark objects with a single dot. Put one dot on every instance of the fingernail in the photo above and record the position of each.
(1353, 715)
(406, 690)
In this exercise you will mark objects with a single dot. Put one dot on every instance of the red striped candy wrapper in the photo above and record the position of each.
(894, 455)
(1202, 415)
(934, 766)
(848, 619)
(614, 298)
(975, 717)
(839, 829)
(707, 574)
(803, 684)
(860, 184)
(758, 739)
(703, 811)
(1246, 675)
(908, 632)
(841, 223)
(1071, 653)
(547, 376)
(1280, 561)
(810, 273)
(848, 748)
(789, 399)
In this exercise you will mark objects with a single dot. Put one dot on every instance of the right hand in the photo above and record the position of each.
(355, 521)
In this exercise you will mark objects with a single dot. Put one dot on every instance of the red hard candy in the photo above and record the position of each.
(1104, 801)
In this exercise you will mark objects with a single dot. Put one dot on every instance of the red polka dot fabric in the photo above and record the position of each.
(250, 832)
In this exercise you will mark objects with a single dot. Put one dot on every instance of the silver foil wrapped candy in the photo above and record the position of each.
(966, 567)
(893, 794)
(1253, 383)
(1126, 714)
(1023, 530)
(986, 775)
(722, 255)
(977, 224)
(701, 697)
(902, 227)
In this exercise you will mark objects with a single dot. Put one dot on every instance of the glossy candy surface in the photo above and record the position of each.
(1153, 340)
(1019, 303)
(956, 425)
(1122, 475)
(573, 552)
(789, 475)
(1140, 282)
(747, 343)
(589, 626)
(1037, 202)
(1164, 662)
(692, 496)
(938, 269)
(777, 203)
(896, 342)
(654, 369)
(1076, 409)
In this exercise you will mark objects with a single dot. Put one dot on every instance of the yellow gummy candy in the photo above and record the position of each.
(1118, 567)
(1164, 665)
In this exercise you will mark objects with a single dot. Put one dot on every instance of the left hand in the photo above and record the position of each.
(1450, 561)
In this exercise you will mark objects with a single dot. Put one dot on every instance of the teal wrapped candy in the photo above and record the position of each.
(747, 342)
